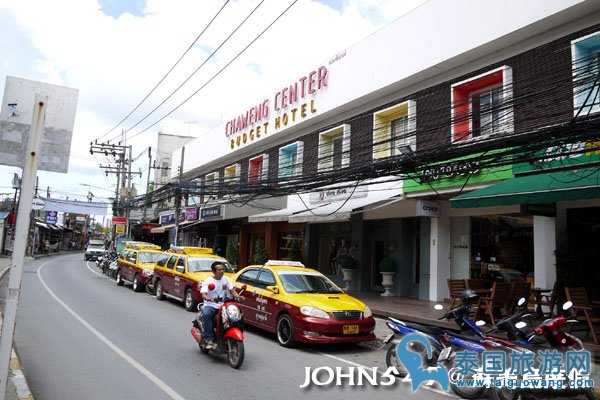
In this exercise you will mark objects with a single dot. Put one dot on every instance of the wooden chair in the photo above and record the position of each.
(550, 300)
(583, 309)
(493, 304)
(456, 287)
(517, 291)
(475, 284)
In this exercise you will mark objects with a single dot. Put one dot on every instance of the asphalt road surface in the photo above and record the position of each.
(80, 336)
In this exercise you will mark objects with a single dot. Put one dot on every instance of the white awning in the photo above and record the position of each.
(162, 229)
(299, 208)
(41, 224)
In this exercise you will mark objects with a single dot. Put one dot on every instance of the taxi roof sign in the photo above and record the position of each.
(286, 263)
(192, 250)
(141, 246)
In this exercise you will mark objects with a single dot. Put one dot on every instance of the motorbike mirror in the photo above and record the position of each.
(567, 305)
(480, 322)
(438, 307)
(211, 286)
(521, 325)
(521, 301)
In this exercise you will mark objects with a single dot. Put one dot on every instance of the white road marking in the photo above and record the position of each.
(407, 379)
(162, 385)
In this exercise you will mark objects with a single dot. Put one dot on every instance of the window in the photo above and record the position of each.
(132, 257)
(164, 169)
(290, 160)
(394, 130)
(266, 278)
(586, 69)
(232, 174)
(249, 276)
(211, 182)
(194, 197)
(334, 148)
(481, 106)
(258, 168)
(171, 263)
(163, 260)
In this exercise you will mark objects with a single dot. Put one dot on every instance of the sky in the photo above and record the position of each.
(116, 51)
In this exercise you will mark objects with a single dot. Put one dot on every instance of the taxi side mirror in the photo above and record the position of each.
(273, 289)
(179, 269)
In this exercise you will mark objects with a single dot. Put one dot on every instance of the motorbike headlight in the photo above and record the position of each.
(233, 312)
(313, 312)
(367, 312)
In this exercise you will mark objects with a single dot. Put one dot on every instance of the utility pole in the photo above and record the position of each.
(178, 195)
(147, 200)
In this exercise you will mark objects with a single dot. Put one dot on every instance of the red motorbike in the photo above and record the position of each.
(227, 328)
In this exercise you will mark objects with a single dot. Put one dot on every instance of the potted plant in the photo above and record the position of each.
(348, 264)
(387, 267)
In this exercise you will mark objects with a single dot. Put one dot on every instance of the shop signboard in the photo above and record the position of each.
(210, 212)
(457, 172)
(561, 157)
(191, 213)
(428, 209)
(51, 217)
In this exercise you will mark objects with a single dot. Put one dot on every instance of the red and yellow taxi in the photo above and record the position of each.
(136, 264)
(180, 271)
(300, 304)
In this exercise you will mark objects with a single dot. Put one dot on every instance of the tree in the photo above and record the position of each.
(260, 254)
(231, 253)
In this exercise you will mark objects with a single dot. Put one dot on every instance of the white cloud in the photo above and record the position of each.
(114, 62)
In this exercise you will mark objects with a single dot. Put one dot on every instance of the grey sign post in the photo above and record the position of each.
(23, 99)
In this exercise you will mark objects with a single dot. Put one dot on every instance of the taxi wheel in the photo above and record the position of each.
(190, 304)
(137, 286)
(285, 331)
(119, 278)
(158, 290)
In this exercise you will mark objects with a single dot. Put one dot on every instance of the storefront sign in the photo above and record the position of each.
(428, 209)
(562, 156)
(191, 213)
(545, 210)
(80, 218)
(167, 219)
(338, 194)
(51, 217)
(294, 102)
(457, 168)
(210, 212)
(119, 220)
(120, 228)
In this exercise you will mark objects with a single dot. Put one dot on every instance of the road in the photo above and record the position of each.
(79, 335)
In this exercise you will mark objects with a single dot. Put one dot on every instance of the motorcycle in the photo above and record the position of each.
(227, 328)
(555, 338)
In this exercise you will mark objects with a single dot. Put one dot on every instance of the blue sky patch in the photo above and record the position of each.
(114, 8)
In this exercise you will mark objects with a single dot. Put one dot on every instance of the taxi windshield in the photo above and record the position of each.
(307, 282)
(148, 257)
(203, 264)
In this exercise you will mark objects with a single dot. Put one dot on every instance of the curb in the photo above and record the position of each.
(16, 375)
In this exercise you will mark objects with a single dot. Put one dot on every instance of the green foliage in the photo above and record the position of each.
(387, 265)
(348, 262)
(231, 253)
(260, 253)
(294, 253)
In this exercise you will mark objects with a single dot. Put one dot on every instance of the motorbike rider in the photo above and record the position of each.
(222, 287)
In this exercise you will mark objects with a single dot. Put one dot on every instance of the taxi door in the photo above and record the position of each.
(129, 270)
(248, 306)
(169, 276)
(267, 303)
(179, 278)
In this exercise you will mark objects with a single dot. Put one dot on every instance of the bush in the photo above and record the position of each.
(387, 265)
(348, 262)
(231, 253)
(260, 253)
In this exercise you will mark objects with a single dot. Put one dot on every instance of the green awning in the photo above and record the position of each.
(575, 184)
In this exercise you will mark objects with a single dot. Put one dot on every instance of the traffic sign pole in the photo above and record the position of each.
(21, 237)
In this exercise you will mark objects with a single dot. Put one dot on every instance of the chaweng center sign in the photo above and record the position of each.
(292, 103)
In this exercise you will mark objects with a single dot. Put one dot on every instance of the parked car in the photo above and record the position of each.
(92, 251)
(505, 275)
(135, 264)
(300, 304)
(180, 271)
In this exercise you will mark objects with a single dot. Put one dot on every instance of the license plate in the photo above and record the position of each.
(444, 354)
(388, 338)
(350, 329)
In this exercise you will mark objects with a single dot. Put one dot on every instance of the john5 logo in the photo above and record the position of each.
(412, 362)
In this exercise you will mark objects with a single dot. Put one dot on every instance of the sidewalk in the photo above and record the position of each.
(16, 386)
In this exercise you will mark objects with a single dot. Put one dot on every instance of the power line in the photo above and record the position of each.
(168, 72)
